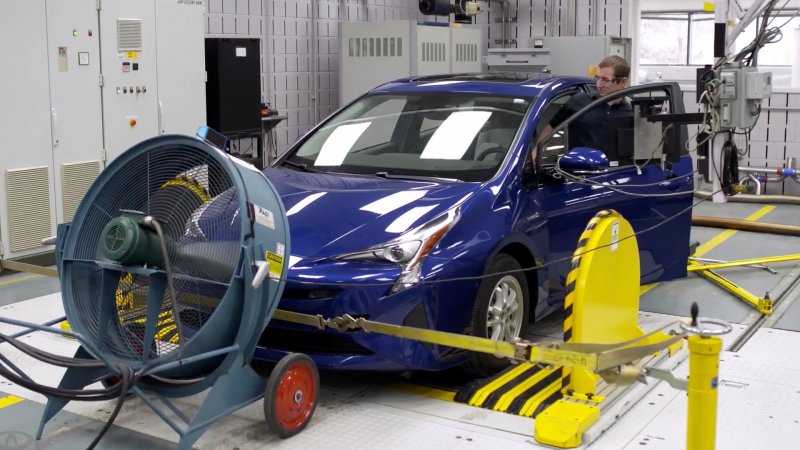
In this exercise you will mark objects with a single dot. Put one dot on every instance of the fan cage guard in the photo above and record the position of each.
(192, 196)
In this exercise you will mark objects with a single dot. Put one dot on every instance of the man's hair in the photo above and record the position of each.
(621, 67)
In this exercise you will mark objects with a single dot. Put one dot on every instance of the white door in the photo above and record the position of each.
(26, 200)
(73, 55)
(130, 91)
(180, 37)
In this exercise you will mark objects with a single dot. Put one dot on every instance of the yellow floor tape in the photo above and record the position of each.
(725, 235)
(715, 241)
(9, 400)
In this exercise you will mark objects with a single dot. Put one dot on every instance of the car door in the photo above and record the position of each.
(641, 185)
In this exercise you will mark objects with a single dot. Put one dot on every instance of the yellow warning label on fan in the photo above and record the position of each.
(275, 264)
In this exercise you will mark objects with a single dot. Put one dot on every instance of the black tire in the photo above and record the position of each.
(290, 398)
(505, 285)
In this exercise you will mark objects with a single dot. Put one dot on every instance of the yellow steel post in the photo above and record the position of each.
(701, 429)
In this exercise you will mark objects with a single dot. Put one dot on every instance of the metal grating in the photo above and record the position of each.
(434, 51)
(375, 47)
(75, 181)
(29, 219)
(466, 52)
(129, 35)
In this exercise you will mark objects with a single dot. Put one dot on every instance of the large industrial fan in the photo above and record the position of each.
(170, 271)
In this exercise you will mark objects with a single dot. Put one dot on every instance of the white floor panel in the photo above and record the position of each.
(758, 395)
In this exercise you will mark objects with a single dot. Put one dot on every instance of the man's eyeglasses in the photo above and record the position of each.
(607, 80)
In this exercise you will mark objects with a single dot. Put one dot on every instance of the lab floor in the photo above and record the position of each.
(759, 384)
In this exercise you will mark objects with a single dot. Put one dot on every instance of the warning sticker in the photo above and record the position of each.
(264, 217)
(275, 264)
(132, 55)
(614, 236)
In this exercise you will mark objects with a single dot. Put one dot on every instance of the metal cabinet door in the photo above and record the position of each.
(73, 55)
(180, 46)
(26, 199)
(130, 90)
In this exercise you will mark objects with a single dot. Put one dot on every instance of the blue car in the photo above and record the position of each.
(432, 202)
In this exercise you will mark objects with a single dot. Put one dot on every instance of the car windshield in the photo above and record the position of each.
(451, 136)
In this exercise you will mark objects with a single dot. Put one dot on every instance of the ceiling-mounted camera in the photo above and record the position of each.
(437, 7)
(473, 8)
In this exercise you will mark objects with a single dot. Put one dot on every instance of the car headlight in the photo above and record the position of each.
(410, 249)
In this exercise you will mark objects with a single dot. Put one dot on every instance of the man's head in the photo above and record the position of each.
(612, 74)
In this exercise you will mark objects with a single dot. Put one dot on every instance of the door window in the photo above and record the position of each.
(554, 146)
(625, 130)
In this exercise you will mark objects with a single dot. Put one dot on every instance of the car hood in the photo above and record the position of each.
(331, 215)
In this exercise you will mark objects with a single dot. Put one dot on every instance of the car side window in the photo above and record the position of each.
(623, 128)
(554, 147)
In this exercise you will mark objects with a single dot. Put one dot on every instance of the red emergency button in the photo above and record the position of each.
(133, 122)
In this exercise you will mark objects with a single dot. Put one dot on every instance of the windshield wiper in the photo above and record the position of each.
(303, 167)
(414, 177)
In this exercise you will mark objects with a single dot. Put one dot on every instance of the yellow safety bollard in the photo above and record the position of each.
(701, 429)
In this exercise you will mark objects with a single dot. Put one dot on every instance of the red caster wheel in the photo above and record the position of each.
(110, 381)
(291, 394)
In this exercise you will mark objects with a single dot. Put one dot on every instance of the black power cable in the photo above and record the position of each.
(729, 163)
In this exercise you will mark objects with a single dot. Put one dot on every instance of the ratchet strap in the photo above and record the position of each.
(596, 357)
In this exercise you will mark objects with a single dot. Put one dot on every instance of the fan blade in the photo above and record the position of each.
(209, 260)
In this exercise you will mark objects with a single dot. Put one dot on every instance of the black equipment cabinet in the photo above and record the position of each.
(233, 89)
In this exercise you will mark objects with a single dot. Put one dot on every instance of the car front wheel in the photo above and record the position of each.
(500, 312)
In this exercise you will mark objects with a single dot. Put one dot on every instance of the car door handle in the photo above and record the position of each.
(674, 184)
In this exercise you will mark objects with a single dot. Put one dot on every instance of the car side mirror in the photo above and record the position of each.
(584, 160)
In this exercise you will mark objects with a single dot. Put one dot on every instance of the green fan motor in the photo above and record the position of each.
(126, 240)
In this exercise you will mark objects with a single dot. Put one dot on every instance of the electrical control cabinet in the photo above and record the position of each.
(739, 93)
(181, 82)
(130, 90)
(560, 55)
(531, 60)
(372, 53)
(574, 55)
(27, 202)
(75, 97)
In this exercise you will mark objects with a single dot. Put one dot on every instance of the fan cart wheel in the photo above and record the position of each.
(113, 380)
(291, 395)
(110, 381)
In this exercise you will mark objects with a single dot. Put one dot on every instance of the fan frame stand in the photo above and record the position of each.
(238, 387)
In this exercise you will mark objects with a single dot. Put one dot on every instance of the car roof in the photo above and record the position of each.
(503, 83)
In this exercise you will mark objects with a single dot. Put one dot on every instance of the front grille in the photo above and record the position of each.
(310, 342)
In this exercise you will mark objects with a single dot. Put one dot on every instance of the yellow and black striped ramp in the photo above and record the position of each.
(524, 389)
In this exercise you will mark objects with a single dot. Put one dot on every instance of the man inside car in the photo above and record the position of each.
(591, 128)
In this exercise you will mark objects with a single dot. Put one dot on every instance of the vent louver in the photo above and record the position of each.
(75, 181)
(129, 35)
(29, 220)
